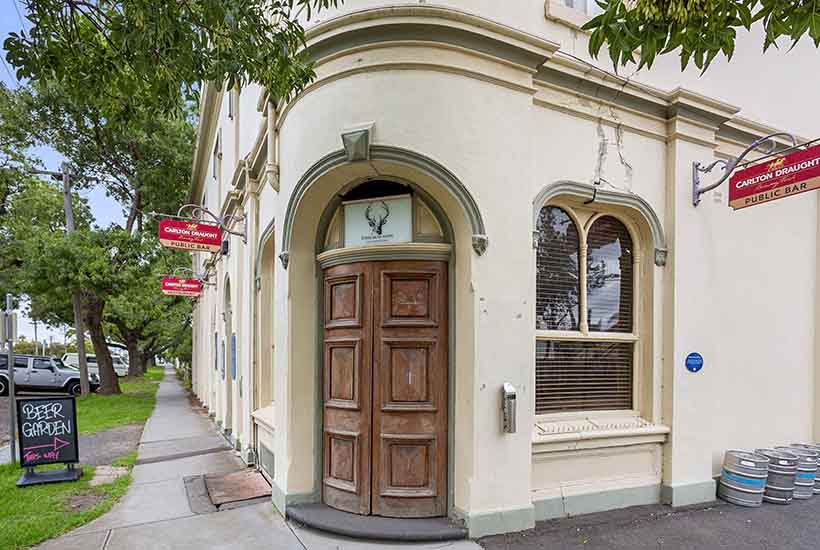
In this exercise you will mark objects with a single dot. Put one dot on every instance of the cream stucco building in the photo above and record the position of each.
(462, 199)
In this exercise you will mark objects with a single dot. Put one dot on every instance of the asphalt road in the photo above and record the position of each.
(719, 526)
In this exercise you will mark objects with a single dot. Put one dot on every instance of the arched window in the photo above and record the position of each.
(558, 281)
(585, 307)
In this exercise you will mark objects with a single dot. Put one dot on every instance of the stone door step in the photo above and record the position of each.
(325, 518)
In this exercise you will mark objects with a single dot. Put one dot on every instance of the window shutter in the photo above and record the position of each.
(576, 375)
(609, 276)
(557, 274)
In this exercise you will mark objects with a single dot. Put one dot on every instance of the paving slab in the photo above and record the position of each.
(156, 449)
(212, 463)
(251, 527)
(145, 503)
(87, 541)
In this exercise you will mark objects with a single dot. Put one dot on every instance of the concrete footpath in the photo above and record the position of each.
(156, 513)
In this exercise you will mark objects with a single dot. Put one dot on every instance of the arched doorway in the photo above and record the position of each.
(228, 356)
(384, 251)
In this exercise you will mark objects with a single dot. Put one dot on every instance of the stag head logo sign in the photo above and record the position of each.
(377, 217)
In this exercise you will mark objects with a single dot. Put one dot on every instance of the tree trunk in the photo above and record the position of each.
(109, 384)
(134, 359)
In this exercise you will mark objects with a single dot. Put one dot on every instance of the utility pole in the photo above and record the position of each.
(7, 318)
(65, 175)
(36, 342)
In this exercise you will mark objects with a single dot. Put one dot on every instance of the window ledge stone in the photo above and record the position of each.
(593, 433)
(264, 416)
(556, 10)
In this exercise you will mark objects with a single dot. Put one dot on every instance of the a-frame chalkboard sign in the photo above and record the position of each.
(47, 434)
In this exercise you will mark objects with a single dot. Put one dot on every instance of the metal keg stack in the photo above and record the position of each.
(816, 449)
(806, 471)
(782, 473)
(743, 478)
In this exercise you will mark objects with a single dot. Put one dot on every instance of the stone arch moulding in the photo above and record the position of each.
(395, 155)
(628, 200)
(260, 247)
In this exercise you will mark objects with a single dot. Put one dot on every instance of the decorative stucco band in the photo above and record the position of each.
(395, 155)
(587, 192)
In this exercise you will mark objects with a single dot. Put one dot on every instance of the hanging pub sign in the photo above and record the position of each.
(784, 176)
(187, 235)
(172, 286)
(378, 221)
(47, 434)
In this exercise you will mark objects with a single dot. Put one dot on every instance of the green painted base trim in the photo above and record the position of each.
(278, 498)
(510, 520)
(576, 505)
(281, 500)
(303, 498)
(691, 493)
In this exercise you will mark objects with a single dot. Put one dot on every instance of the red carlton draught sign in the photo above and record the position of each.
(172, 286)
(190, 235)
(784, 176)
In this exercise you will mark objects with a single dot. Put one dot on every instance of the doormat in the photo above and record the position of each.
(241, 486)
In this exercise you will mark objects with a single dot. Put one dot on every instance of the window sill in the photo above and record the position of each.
(264, 417)
(556, 10)
(595, 432)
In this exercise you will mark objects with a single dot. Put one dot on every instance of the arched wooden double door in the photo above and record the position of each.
(385, 388)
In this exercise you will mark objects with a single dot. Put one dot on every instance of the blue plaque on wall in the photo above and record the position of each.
(694, 362)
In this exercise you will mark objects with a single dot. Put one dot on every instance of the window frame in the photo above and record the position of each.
(584, 217)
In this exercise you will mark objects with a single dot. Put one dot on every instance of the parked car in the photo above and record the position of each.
(73, 359)
(37, 373)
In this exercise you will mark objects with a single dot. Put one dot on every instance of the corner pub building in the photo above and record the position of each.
(463, 199)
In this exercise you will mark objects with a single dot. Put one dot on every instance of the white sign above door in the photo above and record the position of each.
(378, 221)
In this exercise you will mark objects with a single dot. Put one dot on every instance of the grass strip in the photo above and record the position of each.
(134, 405)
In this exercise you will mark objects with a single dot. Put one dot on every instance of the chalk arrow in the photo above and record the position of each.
(57, 444)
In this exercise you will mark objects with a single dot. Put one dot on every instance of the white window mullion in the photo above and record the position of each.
(582, 269)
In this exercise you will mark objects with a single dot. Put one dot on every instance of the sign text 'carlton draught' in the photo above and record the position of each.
(188, 235)
(784, 176)
(173, 286)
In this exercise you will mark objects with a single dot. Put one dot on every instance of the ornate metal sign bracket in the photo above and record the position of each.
(197, 212)
(729, 166)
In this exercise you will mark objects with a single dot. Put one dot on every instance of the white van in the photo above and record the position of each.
(73, 359)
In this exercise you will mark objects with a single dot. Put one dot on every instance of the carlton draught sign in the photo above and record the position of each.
(187, 235)
(171, 286)
(784, 176)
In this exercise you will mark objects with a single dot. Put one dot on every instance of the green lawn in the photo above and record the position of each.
(133, 405)
(33, 514)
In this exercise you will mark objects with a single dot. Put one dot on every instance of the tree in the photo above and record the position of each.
(699, 29)
(142, 318)
(146, 167)
(125, 55)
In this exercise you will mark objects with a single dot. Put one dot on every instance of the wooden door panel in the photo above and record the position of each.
(410, 298)
(408, 463)
(344, 302)
(347, 380)
(407, 364)
(342, 377)
(410, 389)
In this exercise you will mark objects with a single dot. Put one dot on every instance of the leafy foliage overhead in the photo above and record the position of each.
(699, 29)
(126, 54)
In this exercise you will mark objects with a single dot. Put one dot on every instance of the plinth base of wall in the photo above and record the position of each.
(691, 493)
